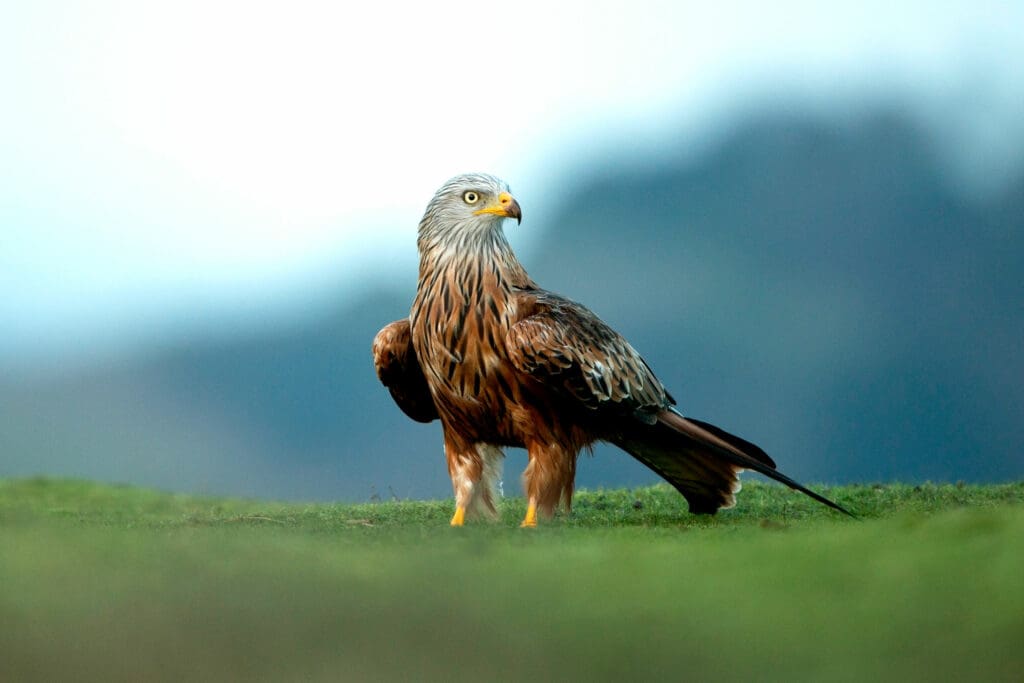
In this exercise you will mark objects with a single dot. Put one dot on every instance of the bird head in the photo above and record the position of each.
(474, 202)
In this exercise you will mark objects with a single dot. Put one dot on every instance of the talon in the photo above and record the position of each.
(460, 516)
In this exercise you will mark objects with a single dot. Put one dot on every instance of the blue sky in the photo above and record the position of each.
(164, 163)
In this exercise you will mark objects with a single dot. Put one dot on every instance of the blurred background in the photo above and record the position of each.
(809, 218)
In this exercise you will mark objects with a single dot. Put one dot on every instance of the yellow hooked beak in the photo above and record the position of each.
(506, 205)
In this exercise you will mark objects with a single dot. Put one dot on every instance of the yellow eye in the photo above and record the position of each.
(471, 197)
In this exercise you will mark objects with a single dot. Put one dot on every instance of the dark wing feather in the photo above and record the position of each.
(398, 369)
(738, 445)
(566, 346)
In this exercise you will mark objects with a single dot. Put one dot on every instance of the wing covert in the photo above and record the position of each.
(564, 344)
(398, 369)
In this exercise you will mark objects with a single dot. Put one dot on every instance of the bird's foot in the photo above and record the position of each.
(460, 516)
(531, 517)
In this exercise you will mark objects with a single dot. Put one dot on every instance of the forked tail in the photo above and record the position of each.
(702, 461)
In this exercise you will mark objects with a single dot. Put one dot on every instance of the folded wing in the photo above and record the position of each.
(575, 353)
(398, 369)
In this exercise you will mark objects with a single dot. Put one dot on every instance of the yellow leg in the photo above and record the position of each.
(460, 516)
(531, 515)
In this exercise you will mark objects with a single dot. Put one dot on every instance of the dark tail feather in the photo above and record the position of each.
(702, 461)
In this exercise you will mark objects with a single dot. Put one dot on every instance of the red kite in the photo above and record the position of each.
(502, 362)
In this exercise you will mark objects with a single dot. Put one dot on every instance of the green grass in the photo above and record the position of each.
(120, 583)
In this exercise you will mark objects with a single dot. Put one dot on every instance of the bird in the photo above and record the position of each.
(501, 362)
